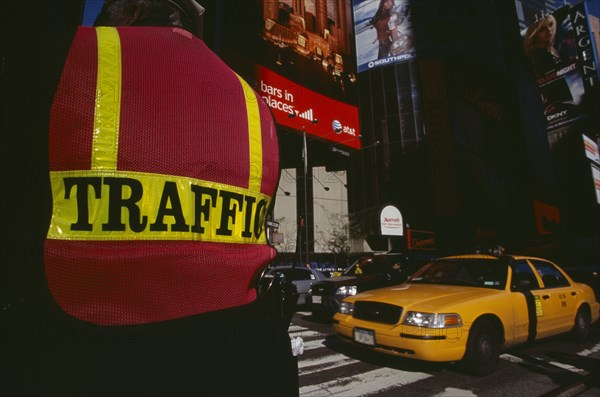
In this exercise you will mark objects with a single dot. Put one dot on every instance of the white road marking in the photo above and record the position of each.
(297, 328)
(363, 384)
(511, 358)
(307, 334)
(567, 367)
(452, 392)
(331, 358)
(324, 364)
(314, 344)
(589, 352)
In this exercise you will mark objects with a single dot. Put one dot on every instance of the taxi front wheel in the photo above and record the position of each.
(483, 348)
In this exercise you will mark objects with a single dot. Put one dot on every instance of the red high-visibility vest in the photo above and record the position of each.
(163, 163)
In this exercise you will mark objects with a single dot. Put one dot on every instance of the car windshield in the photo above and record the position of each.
(367, 266)
(484, 273)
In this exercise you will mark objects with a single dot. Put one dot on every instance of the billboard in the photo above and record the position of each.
(303, 61)
(305, 110)
(596, 178)
(591, 149)
(383, 32)
(556, 46)
(420, 240)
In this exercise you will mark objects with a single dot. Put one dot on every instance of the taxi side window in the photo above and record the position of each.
(523, 273)
(551, 276)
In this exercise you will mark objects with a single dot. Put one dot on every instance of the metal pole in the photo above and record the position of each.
(305, 157)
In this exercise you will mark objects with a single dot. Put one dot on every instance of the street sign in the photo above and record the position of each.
(391, 221)
(340, 151)
(274, 225)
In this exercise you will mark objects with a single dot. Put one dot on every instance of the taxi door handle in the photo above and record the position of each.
(545, 296)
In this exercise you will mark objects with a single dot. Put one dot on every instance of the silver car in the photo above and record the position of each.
(302, 277)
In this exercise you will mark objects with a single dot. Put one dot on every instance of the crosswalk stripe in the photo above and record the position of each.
(363, 384)
(307, 334)
(313, 344)
(511, 358)
(297, 328)
(454, 392)
(590, 351)
(568, 367)
(338, 363)
(331, 358)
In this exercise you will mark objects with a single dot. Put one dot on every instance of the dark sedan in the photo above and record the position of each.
(369, 272)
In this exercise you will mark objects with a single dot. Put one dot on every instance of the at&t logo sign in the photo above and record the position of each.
(338, 128)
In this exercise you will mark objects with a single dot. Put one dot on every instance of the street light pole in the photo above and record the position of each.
(305, 158)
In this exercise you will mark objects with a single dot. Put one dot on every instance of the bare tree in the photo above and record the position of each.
(286, 250)
(336, 239)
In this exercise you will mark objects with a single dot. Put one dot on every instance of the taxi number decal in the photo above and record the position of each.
(114, 205)
(539, 311)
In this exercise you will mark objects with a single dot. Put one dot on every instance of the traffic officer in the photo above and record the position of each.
(162, 165)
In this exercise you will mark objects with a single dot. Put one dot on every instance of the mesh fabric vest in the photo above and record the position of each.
(162, 162)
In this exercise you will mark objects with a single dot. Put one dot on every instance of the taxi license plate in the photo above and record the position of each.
(364, 336)
(316, 299)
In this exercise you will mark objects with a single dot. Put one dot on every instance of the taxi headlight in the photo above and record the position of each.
(432, 320)
(346, 290)
(346, 308)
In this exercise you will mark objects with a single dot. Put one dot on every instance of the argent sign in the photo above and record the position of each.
(391, 221)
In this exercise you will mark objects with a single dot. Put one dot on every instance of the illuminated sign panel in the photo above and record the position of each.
(383, 33)
(337, 121)
(596, 178)
(420, 240)
(558, 47)
(391, 221)
(547, 218)
(591, 149)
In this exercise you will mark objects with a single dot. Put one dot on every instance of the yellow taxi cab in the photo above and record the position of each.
(469, 308)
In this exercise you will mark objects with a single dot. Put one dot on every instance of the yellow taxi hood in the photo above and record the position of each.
(426, 297)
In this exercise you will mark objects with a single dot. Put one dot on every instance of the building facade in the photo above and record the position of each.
(453, 128)
(451, 124)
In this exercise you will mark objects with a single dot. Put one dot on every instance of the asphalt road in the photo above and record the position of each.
(554, 367)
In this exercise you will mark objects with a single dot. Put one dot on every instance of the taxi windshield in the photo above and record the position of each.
(484, 273)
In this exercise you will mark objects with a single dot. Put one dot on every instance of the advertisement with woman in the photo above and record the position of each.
(551, 46)
(383, 32)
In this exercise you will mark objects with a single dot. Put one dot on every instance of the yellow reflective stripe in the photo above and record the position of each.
(254, 136)
(123, 205)
(107, 111)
